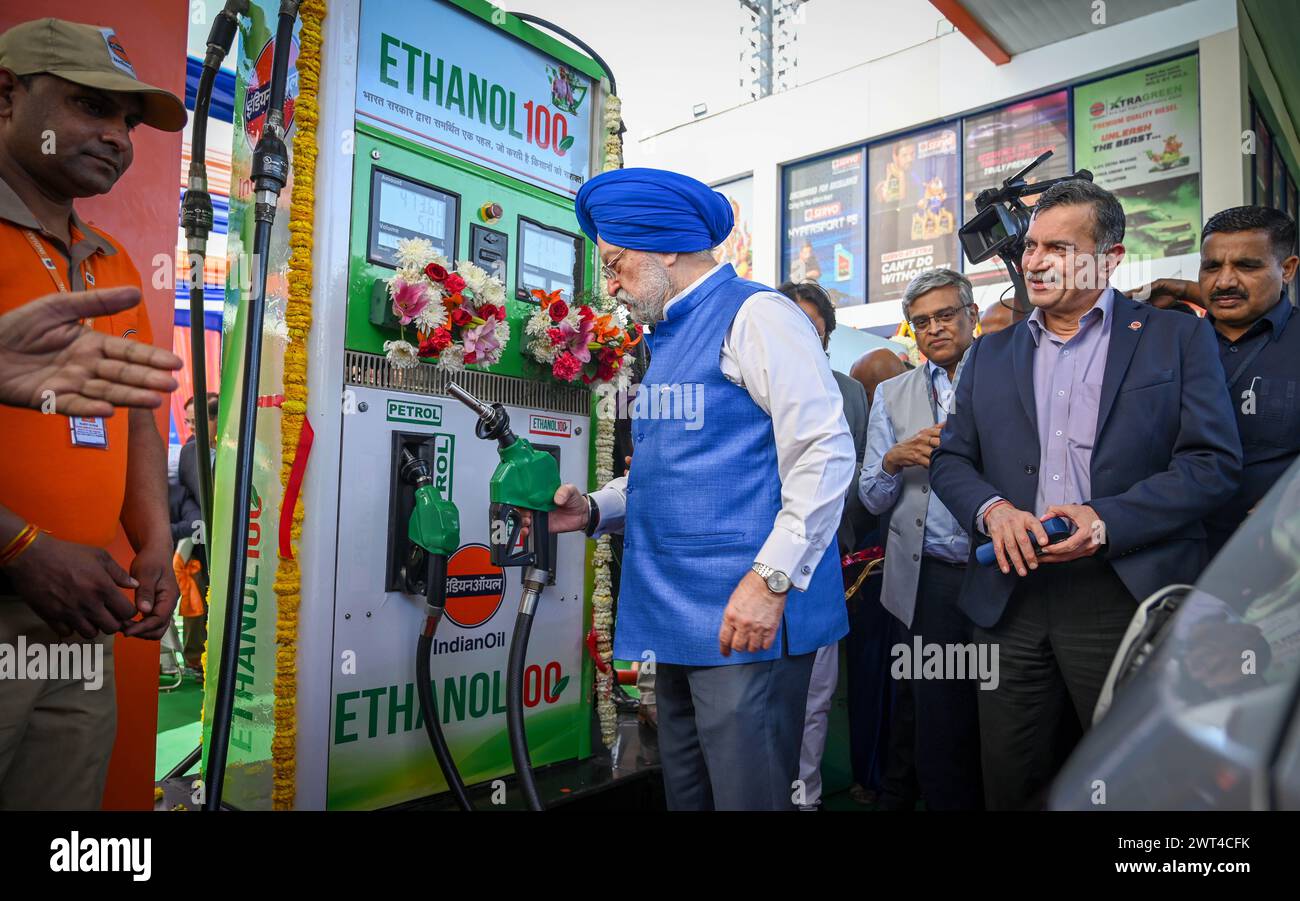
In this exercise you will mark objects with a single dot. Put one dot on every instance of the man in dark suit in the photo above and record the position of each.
(1248, 257)
(1099, 410)
(855, 523)
(184, 523)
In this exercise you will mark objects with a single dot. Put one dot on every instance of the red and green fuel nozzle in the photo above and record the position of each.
(525, 479)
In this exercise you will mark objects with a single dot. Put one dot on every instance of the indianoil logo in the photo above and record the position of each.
(475, 588)
(257, 96)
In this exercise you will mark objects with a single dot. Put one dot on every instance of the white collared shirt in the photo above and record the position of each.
(773, 352)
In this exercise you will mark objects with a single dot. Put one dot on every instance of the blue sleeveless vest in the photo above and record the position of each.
(702, 496)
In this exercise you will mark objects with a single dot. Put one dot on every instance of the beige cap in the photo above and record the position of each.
(86, 55)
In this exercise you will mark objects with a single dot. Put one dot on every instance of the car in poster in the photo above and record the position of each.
(1155, 226)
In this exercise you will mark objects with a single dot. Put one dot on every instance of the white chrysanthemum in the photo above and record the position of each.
(538, 323)
(407, 274)
(475, 278)
(431, 317)
(402, 354)
(494, 292)
(414, 252)
(541, 350)
(452, 358)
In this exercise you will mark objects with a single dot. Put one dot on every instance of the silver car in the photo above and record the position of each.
(1200, 709)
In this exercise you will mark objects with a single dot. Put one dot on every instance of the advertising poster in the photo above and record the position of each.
(999, 144)
(914, 209)
(825, 205)
(1139, 133)
(738, 249)
(435, 74)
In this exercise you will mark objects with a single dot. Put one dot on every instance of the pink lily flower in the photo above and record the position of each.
(481, 340)
(578, 338)
(409, 300)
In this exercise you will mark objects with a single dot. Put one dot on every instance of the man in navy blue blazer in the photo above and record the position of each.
(1103, 411)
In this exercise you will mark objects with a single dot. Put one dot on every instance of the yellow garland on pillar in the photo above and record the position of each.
(288, 579)
(602, 595)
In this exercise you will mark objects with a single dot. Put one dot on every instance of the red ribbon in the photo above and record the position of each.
(595, 654)
(294, 486)
(270, 400)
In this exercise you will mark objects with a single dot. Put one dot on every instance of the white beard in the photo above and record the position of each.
(648, 311)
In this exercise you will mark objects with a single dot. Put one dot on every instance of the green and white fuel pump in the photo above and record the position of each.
(455, 122)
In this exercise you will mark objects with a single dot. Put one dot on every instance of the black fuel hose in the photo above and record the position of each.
(515, 710)
(198, 337)
(429, 711)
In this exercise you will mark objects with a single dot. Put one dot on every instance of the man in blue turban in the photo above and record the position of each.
(730, 577)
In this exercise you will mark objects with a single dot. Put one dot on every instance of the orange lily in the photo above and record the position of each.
(546, 299)
(606, 330)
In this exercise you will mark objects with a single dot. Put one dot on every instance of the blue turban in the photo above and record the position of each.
(654, 210)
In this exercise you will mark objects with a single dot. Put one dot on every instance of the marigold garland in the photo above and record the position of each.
(298, 315)
(602, 594)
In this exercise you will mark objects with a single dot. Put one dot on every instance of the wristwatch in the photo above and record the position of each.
(777, 581)
(593, 517)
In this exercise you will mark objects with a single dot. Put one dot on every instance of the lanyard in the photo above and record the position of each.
(1250, 358)
(52, 268)
(935, 404)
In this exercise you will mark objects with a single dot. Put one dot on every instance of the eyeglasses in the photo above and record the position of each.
(943, 317)
(608, 268)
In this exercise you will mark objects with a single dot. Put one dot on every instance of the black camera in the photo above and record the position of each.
(1002, 218)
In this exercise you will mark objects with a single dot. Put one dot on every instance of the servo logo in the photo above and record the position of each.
(1097, 109)
(257, 96)
(116, 52)
(550, 425)
(475, 588)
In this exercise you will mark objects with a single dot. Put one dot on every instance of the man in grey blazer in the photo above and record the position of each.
(854, 524)
(926, 549)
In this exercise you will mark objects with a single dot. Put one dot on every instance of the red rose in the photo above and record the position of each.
(435, 272)
(471, 357)
(558, 310)
(441, 338)
(427, 347)
(453, 283)
(487, 311)
(460, 316)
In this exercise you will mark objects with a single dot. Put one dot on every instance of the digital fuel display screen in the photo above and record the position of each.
(549, 260)
(401, 208)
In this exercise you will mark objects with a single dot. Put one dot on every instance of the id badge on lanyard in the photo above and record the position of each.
(85, 431)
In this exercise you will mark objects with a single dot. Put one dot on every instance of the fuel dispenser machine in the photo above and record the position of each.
(452, 121)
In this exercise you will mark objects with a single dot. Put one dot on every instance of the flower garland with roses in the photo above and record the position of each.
(584, 340)
(459, 314)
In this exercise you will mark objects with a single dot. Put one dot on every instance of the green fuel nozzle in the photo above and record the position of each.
(525, 479)
(434, 531)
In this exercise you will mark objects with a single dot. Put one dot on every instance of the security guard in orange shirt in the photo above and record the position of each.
(69, 101)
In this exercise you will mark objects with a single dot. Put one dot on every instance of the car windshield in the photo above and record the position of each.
(1196, 725)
